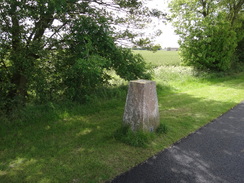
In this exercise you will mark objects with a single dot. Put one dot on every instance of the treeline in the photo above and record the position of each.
(153, 48)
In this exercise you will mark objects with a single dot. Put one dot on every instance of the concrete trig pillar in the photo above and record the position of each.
(141, 108)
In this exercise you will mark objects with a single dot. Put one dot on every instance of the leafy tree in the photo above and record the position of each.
(209, 31)
(155, 48)
(240, 46)
(63, 48)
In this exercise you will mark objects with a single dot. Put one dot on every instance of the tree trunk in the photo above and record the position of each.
(18, 92)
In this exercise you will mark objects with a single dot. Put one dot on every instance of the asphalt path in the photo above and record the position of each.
(213, 154)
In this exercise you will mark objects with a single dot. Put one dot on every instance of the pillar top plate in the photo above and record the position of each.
(141, 81)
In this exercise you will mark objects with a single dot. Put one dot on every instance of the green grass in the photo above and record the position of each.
(76, 143)
(166, 58)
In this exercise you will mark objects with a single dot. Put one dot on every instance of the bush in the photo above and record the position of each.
(210, 46)
(84, 65)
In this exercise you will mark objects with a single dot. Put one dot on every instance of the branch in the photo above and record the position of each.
(236, 9)
(15, 28)
(56, 31)
(42, 25)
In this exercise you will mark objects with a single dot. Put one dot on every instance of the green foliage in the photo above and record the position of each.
(155, 48)
(240, 46)
(209, 47)
(56, 50)
(240, 51)
(91, 53)
(208, 31)
(133, 66)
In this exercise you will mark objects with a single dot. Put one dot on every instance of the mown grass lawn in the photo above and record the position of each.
(75, 143)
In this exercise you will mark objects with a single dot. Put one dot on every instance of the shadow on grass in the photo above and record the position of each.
(76, 144)
(56, 144)
(228, 80)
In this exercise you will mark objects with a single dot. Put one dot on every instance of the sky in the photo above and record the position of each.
(168, 38)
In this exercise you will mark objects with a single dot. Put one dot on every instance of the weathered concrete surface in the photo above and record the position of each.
(141, 108)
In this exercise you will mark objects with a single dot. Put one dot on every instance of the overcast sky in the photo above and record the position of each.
(168, 37)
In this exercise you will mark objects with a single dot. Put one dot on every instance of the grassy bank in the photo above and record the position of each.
(75, 143)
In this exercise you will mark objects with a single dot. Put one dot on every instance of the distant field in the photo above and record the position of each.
(166, 58)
